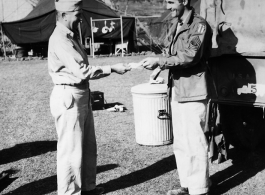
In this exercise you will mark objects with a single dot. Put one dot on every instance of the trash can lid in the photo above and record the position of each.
(147, 88)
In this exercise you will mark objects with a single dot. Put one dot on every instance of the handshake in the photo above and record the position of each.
(149, 63)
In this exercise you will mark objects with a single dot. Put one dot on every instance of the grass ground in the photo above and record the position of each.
(28, 140)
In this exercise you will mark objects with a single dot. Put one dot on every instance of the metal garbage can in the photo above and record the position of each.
(152, 114)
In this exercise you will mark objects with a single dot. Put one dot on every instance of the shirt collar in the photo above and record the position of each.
(184, 21)
(187, 18)
(64, 29)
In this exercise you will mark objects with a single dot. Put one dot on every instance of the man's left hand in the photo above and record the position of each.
(150, 63)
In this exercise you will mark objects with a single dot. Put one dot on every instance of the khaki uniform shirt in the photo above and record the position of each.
(67, 60)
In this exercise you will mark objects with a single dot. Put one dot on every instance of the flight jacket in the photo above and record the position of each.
(188, 52)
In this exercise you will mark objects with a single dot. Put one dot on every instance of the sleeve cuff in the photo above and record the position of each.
(162, 64)
(106, 69)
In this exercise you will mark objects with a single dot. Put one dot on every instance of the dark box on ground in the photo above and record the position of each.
(97, 100)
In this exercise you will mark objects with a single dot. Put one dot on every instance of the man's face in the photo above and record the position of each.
(73, 19)
(176, 7)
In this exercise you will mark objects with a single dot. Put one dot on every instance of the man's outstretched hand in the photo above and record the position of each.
(150, 63)
(120, 68)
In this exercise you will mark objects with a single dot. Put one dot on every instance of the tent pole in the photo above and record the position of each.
(121, 38)
(136, 33)
(2, 33)
(90, 46)
(80, 33)
(1, 25)
(92, 37)
(150, 42)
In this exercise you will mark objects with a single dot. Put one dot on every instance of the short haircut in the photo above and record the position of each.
(181, 1)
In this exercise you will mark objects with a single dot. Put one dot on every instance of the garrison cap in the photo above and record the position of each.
(68, 5)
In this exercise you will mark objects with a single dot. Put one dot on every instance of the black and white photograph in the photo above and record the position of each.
(132, 97)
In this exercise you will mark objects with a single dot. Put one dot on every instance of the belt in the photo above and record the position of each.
(82, 85)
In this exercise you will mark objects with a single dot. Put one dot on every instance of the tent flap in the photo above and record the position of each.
(31, 31)
(40, 23)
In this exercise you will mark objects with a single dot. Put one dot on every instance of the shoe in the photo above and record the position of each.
(96, 191)
(180, 191)
(3, 175)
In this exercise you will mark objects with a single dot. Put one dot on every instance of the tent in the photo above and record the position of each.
(39, 24)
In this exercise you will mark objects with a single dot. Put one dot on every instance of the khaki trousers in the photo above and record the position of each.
(190, 145)
(76, 147)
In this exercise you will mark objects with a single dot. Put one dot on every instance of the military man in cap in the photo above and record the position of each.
(70, 71)
(190, 43)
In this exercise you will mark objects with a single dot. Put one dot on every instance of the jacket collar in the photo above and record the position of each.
(188, 20)
(186, 23)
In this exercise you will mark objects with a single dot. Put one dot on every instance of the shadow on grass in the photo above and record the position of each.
(159, 168)
(104, 168)
(104, 106)
(6, 182)
(110, 105)
(43, 186)
(5, 179)
(26, 150)
(246, 164)
(46, 185)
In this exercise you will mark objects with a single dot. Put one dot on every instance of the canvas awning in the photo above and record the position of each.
(40, 23)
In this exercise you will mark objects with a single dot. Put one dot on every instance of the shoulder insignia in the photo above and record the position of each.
(201, 28)
(196, 42)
